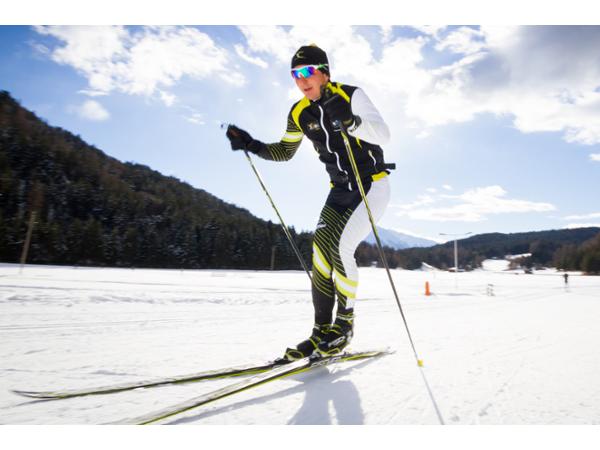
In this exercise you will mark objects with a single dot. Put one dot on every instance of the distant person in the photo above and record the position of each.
(343, 222)
(566, 277)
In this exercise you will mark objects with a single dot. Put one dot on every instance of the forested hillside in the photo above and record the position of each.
(93, 209)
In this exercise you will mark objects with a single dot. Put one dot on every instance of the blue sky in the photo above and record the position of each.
(494, 129)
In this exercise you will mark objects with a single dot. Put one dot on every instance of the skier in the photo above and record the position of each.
(343, 222)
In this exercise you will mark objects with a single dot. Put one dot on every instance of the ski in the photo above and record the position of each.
(295, 367)
(110, 389)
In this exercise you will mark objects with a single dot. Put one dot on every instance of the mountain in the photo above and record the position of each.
(398, 241)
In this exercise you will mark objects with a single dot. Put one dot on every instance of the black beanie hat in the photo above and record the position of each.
(311, 55)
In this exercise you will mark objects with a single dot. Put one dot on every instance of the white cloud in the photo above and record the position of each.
(271, 40)
(464, 40)
(139, 62)
(422, 200)
(474, 205)
(251, 59)
(595, 157)
(38, 48)
(167, 98)
(387, 32)
(447, 187)
(431, 30)
(546, 78)
(91, 110)
(92, 93)
(583, 217)
(195, 118)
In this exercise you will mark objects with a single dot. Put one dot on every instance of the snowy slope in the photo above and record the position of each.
(527, 355)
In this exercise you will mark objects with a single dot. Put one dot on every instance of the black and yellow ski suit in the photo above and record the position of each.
(343, 222)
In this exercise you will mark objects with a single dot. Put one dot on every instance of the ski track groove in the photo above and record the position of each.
(488, 403)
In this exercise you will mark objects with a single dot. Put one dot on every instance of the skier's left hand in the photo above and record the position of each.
(339, 109)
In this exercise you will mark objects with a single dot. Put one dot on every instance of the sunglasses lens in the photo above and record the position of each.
(303, 72)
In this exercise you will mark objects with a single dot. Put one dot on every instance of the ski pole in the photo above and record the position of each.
(283, 225)
(377, 239)
(338, 126)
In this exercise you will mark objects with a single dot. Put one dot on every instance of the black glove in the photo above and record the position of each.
(241, 140)
(339, 110)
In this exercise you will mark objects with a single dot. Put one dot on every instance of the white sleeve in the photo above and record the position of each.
(372, 129)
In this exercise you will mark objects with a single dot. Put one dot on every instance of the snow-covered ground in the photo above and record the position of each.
(528, 354)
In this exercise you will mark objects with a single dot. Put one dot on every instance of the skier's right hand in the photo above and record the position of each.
(240, 139)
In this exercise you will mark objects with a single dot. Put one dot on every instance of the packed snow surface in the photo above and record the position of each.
(498, 347)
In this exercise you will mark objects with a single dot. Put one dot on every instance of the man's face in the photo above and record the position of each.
(311, 86)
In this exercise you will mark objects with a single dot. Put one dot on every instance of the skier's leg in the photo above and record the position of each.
(355, 228)
(323, 291)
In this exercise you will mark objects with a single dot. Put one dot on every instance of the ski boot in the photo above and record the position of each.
(307, 347)
(338, 337)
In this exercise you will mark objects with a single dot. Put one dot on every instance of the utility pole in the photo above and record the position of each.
(35, 201)
(27, 241)
(273, 248)
(456, 254)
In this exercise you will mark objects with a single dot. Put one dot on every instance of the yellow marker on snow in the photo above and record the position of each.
(420, 362)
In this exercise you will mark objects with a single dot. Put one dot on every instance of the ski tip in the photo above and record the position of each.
(30, 394)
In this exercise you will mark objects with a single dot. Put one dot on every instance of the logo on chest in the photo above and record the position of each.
(313, 126)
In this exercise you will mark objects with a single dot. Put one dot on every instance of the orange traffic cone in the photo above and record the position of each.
(427, 291)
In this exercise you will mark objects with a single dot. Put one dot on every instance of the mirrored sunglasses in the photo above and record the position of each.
(306, 71)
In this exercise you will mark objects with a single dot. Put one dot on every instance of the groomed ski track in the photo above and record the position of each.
(526, 355)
